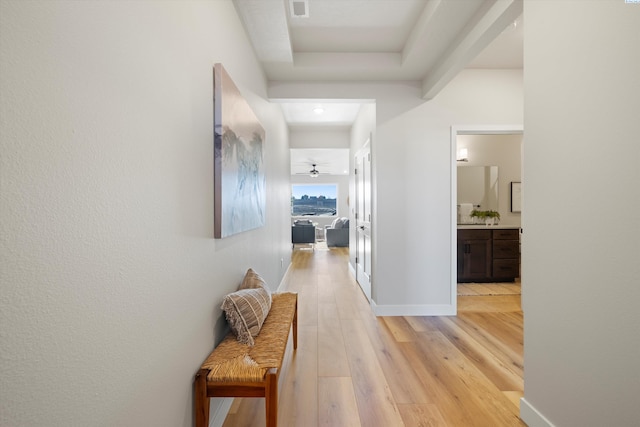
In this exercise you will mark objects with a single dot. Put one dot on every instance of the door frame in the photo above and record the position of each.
(468, 130)
(365, 148)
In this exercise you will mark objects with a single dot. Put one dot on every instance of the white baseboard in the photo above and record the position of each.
(531, 416)
(217, 417)
(352, 270)
(414, 310)
(285, 276)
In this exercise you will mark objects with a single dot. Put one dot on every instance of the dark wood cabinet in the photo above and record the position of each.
(506, 255)
(474, 254)
(488, 255)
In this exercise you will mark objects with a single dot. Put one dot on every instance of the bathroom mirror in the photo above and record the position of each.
(478, 185)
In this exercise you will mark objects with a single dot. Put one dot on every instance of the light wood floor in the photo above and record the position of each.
(353, 369)
(474, 289)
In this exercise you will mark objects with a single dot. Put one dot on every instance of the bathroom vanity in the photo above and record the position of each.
(488, 254)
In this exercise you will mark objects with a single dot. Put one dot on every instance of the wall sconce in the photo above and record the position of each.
(463, 155)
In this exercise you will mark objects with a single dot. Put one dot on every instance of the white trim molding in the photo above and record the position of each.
(220, 413)
(352, 270)
(466, 130)
(285, 279)
(414, 310)
(531, 416)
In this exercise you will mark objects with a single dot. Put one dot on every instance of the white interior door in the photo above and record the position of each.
(363, 219)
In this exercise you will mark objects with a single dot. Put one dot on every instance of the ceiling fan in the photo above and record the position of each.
(313, 173)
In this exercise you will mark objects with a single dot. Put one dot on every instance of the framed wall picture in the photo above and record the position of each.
(239, 172)
(516, 196)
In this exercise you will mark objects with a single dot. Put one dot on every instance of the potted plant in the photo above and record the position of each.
(488, 217)
(492, 217)
(478, 216)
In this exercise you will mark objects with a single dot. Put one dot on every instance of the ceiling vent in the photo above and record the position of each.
(299, 8)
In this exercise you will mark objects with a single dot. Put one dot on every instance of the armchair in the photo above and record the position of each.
(303, 231)
(337, 234)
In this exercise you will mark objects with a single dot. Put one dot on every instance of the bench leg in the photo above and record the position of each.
(201, 400)
(271, 398)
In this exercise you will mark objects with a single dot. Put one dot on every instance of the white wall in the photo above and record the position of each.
(413, 152)
(318, 137)
(111, 279)
(580, 254)
(503, 151)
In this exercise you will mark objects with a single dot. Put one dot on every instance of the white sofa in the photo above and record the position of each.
(337, 234)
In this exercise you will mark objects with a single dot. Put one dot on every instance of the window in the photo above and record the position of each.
(314, 199)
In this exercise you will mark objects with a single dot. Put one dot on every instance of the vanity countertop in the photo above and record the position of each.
(485, 227)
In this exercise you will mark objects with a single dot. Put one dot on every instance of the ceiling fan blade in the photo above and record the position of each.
(314, 172)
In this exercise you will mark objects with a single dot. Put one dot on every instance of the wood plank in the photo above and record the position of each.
(345, 297)
(468, 289)
(308, 303)
(423, 323)
(337, 402)
(467, 383)
(399, 373)
(421, 415)
(500, 303)
(299, 384)
(332, 354)
(250, 412)
(510, 288)
(325, 289)
(400, 328)
(514, 397)
(453, 410)
(416, 324)
(510, 354)
(503, 372)
(376, 405)
(495, 329)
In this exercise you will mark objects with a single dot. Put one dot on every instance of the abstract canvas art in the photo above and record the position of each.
(239, 179)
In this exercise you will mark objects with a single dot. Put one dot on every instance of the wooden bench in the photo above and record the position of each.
(234, 369)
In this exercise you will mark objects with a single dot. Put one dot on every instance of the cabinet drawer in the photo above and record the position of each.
(506, 268)
(506, 248)
(506, 234)
(474, 234)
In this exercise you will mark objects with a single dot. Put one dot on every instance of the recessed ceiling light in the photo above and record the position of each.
(318, 110)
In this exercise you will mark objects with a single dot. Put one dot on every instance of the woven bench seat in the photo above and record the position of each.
(234, 369)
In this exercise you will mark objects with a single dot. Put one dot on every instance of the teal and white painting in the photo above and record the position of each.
(239, 178)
